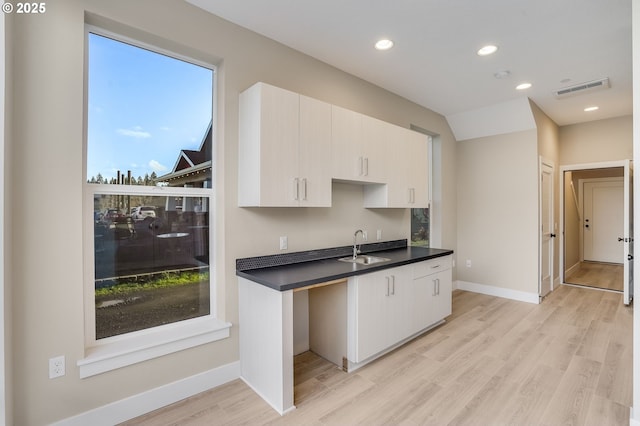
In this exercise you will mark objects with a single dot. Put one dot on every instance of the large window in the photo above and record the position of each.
(148, 189)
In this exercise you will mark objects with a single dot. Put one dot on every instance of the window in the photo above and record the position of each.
(420, 227)
(149, 193)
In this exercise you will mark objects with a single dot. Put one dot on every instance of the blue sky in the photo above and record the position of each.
(143, 108)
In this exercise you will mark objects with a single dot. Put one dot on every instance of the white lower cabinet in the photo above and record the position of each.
(432, 288)
(385, 308)
(378, 302)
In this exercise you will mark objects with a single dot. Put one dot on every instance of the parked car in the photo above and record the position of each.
(142, 212)
(112, 214)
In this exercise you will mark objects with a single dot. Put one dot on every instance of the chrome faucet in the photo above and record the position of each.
(356, 249)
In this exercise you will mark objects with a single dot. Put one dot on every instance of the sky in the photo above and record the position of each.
(143, 108)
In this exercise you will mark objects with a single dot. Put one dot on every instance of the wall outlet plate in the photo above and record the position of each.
(284, 243)
(56, 367)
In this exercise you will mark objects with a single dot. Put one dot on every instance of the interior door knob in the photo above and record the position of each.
(552, 235)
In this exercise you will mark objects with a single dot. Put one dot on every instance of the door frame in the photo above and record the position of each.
(572, 168)
(542, 164)
(581, 203)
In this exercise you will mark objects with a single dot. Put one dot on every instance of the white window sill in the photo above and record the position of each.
(142, 346)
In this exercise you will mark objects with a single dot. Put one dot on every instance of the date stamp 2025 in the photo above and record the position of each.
(25, 8)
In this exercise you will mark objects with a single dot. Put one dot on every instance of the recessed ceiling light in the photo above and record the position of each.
(384, 44)
(487, 50)
(591, 108)
(523, 86)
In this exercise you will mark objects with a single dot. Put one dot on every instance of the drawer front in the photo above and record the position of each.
(428, 267)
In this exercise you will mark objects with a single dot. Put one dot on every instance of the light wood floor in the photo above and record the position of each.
(495, 362)
(601, 275)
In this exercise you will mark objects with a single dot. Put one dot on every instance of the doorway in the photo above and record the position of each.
(596, 245)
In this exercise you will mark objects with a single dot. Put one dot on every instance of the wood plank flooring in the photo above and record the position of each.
(495, 362)
(601, 275)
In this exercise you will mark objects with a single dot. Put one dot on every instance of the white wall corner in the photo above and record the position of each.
(143, 403)
(498, 119)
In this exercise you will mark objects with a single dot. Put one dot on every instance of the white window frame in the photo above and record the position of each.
(118, 351)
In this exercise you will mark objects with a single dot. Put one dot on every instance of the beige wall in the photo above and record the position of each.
(597, 141)
(497, 193)
(45, 194)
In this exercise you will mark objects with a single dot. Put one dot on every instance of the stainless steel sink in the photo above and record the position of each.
(364, 259)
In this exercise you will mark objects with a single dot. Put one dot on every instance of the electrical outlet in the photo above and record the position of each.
(56, 367)
(284, 243)
(364, 236)
(379, 234)
(468, 263)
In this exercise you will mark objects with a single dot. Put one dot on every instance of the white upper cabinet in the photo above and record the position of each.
(408, 185)
(357, 146)
(315, 153)
(292, 146)
(284, 147)
(406, 177)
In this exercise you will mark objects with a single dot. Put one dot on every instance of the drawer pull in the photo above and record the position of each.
(435, 266)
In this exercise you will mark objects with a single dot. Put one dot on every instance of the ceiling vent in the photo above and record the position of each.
(581, 88)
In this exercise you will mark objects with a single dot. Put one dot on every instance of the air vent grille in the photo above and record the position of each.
(578, 89)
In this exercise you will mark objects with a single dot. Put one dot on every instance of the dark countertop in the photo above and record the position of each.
(289, 277)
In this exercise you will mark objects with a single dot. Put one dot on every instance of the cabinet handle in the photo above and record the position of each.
(435, 266)
(393, 285)
(361, 167)
(296, 188)
(387, 285)
(438, 281)
(366, 166)
(304, 188)
(434, 287)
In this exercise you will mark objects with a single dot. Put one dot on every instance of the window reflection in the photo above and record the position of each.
(151, 261)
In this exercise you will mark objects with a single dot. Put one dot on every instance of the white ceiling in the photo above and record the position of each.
(550, 43)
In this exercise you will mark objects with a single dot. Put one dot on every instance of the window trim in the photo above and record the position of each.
(118, 351)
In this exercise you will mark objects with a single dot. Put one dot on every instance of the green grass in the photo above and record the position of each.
(165, 280)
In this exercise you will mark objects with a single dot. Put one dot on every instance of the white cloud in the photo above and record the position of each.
(137, 133)
(157, 167)
(165, 128)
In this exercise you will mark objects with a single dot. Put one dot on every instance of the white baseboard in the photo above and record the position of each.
(137, 405)
(490, 290)
(572, 269)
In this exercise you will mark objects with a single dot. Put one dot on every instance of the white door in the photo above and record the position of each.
(547, 229)
(628, 232)
(603, 221)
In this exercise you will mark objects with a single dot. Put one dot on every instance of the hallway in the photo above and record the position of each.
(608, 276)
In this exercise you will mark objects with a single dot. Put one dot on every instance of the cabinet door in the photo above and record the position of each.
(314, 177)
(441, 301)
(346, 143)
(371, 314)
(424, 290)
(418, 180)
(400, 304)
(408, 186)
(268, 147)
(375, 150)
(383, 310)
(432, 287)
